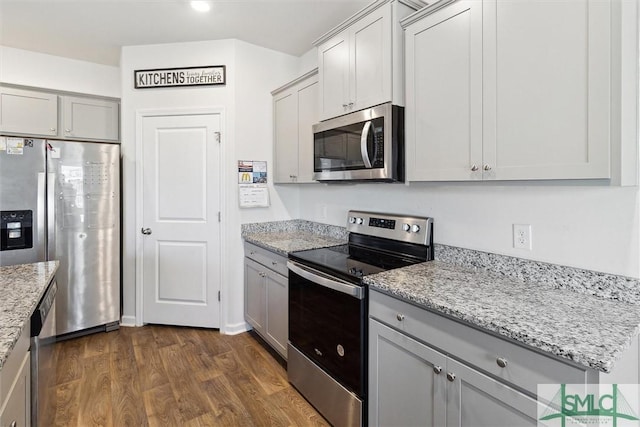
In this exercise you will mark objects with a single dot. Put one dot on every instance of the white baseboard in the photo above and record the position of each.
(128, 321)
(236, 329)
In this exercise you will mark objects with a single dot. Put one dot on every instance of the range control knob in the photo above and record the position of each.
(359, 221)
(406, 227)
(352, 220)
(415, 228)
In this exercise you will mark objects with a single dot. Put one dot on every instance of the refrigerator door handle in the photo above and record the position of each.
(51, 217)
(41, 225)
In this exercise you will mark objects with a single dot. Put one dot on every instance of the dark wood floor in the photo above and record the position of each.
(171, 376)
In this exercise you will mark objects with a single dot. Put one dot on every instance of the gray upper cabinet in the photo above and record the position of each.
(90, 118)
(295, 111)
(509, 90)
(360, 62)
(27, 112)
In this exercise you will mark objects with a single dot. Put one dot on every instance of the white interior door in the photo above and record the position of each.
(181, 229)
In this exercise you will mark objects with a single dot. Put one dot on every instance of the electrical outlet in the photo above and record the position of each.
(322, 212)
(522, 236)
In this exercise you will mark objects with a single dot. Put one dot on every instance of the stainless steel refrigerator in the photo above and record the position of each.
(60, 200)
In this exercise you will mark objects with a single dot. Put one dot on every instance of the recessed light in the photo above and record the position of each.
(201, 6)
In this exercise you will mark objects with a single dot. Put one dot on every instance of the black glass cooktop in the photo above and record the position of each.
(352, 261)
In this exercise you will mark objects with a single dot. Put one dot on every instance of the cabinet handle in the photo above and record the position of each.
(400, 317)
(487, 167)
(345, 106)
(502, 362)
(252, 252)
(14, 423)
(451, 376)
(274, 262)
(67, 130)
(52, 129)
(351, 105)
(474, 168)
(437, 369)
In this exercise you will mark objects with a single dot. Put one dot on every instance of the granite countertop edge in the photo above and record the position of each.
(426, 298)
(23, 285)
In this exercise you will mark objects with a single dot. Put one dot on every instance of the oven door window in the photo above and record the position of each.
(328, 327)
(343, 149)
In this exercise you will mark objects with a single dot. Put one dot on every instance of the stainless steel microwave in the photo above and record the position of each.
(366, 145)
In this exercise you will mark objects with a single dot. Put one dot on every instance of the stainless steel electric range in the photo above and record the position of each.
(328, 309)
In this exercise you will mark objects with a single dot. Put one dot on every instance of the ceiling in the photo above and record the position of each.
(95, 30)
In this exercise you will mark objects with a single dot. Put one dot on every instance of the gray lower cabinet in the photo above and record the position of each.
(15, 384)
(266, 296)
(411, 384)
(405, 380)
(476, 400)
(429, 370)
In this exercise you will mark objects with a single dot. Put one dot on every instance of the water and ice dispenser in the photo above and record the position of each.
(16, 230)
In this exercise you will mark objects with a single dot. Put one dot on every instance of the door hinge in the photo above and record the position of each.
(218, 137)
(219, 216)
(218, 295)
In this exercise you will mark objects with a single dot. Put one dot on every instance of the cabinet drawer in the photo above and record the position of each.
(269, 259)
(524, 368)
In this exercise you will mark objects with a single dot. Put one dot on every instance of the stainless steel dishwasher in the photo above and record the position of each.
(43, 364)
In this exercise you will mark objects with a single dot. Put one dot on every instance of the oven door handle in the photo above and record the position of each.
(325, 280)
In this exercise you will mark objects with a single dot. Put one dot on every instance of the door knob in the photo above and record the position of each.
(146, 231)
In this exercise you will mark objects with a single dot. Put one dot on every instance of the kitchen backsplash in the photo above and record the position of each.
(602, 285)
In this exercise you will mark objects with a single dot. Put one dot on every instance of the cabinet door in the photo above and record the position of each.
(286, 136)
(254, 295)
(333, 69)
(17, 407)
(278, 311)
(370, 60)
(404, 386)
(476, 400)
(87, 118)
(547, 96)
(444, 94)
(307, 117)
(27, 112)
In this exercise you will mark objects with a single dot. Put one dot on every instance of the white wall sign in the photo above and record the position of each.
(210, 75)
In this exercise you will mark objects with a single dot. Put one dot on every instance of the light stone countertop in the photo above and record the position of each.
(576, 314)
(283, 237)
(584, 328)
(21, 288)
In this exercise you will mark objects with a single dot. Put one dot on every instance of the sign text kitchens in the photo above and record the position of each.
(190, 76)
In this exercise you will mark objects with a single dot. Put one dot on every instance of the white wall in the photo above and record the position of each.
(28, 68)
(252, 72)
(258, 72)
(576, 224)
(308, 61)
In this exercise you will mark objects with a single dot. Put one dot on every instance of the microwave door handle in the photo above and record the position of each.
(363, 144)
